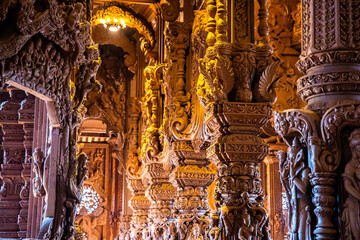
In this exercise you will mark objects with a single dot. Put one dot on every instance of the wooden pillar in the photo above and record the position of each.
(26, 117)
(14, 157)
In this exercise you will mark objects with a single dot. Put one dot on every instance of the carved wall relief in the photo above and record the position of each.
(284, 26)
(109, 92)
(93, 213)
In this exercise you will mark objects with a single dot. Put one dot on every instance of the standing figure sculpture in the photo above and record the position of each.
(351, 176)
(294, 176)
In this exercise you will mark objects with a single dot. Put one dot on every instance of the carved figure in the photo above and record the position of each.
(146, 234)
(246, 229)
(74, 17)
(87, 74)
(218, 74)
(38, 184)
(294, 176)
(172, 231)
(351, 176)
(195, 233)
(214, 230)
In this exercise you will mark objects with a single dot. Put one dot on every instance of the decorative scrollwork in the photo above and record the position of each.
(170, 9)
(131, 19)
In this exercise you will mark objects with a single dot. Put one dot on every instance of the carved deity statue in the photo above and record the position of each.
(351, 176)
(294, 175)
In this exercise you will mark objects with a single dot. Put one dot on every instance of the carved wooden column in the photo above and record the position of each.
(191, 176)
(330, 64)
(140, 205)
(237, 152)
(183, 129)
(161, 194)
(26, 117)
(14, 157)
(273, 191)
(160, 191)
(237, 96)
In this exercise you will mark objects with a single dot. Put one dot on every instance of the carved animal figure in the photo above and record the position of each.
(264, 90)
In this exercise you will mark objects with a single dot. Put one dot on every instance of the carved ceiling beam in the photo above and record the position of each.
(120, 12)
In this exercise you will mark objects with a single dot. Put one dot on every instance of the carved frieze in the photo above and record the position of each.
(93, 213)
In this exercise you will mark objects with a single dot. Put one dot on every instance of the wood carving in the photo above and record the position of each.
(93, 213)
(131, 19)
(294, 175)
(170, 9)
(39, 182)
(264, 90)
(350, 215)
(110, 91)
(51, 39)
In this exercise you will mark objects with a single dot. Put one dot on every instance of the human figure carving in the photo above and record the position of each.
(38, 184)
(246, 229)
(172, 231)
(195, 233)
(214, 227)
(351, 176)
(294, 176)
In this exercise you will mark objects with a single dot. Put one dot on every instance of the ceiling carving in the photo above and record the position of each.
(120, 12)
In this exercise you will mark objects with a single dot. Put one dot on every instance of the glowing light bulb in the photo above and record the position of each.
(115, 20)
(108, 19)
(123, 23)
(102, 21)
(113, 28)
